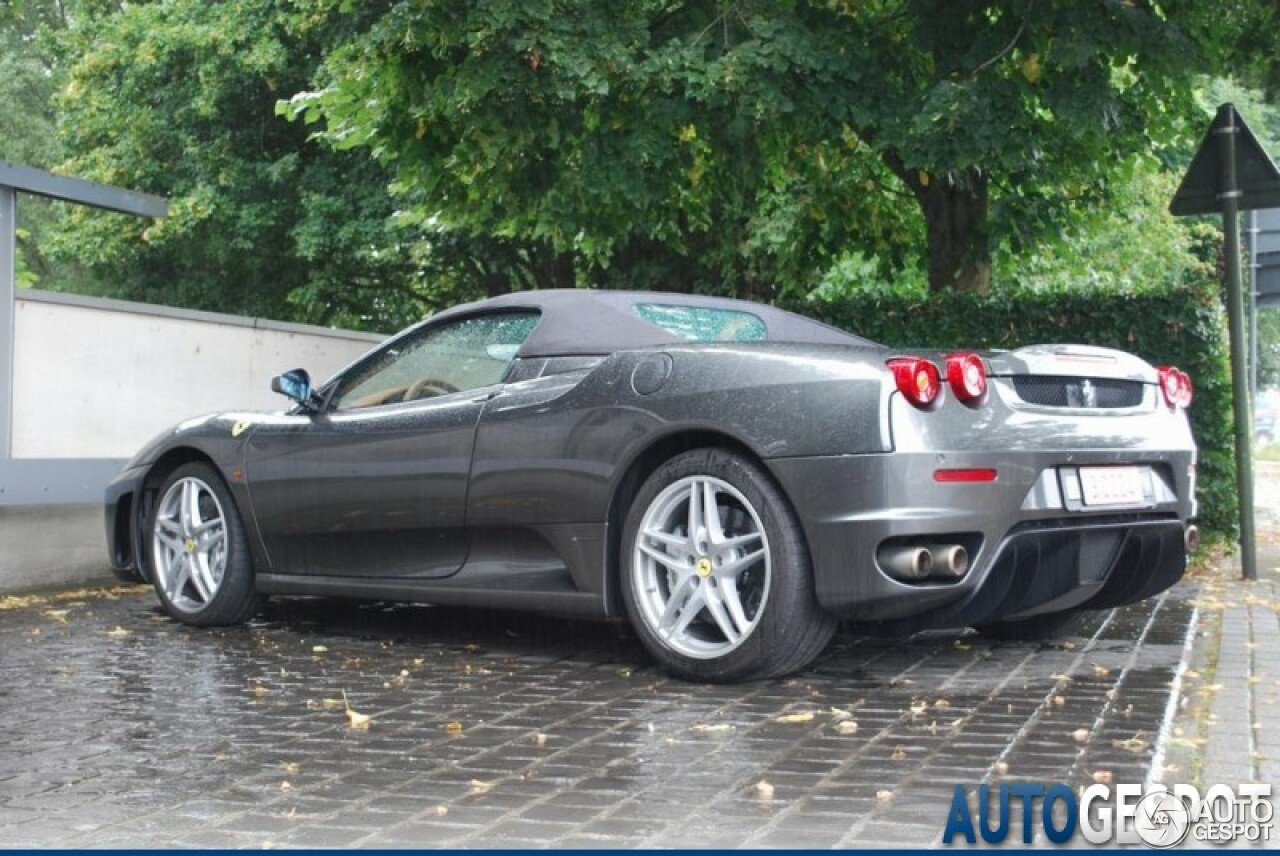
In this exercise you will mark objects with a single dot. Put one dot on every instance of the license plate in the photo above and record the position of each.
(1113, 485)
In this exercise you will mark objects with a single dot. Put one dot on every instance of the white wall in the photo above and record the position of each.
(98, 378)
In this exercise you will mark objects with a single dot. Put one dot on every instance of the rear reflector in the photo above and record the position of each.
(981, 475)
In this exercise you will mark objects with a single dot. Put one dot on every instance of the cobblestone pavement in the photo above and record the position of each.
(1228, 727)
(123, 728)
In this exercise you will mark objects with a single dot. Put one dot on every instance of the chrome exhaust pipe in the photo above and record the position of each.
(906, 562)
(949, 560)
(1192, 536)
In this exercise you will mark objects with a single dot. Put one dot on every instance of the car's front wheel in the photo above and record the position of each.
(716, 573)
(199, 555)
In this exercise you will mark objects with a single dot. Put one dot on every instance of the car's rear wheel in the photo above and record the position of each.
(1037, 628)
(199, 555)
(716, 573)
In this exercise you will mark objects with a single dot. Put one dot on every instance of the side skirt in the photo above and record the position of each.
(519, 596)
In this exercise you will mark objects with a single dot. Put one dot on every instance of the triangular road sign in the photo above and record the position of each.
(1257, 178)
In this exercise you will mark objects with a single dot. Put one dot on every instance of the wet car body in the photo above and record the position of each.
(516, 493)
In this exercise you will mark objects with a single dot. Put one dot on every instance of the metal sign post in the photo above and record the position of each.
(1231, 171)
(1251, 253)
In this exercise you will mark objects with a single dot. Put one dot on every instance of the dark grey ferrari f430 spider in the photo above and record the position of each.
(732, 478)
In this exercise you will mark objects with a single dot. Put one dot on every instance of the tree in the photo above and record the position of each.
(1269, 347)
(757, 138)
(29, 77)
(178, 99)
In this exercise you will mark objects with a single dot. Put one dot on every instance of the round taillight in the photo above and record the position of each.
(917, 379)
(1176, 386)
(967, 376)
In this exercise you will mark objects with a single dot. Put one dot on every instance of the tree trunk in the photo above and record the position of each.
(955, 218)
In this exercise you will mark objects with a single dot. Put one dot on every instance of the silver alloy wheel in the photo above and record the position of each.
(702, 567)
(189, 544)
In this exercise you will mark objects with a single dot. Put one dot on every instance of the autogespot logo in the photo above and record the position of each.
(1159, 817)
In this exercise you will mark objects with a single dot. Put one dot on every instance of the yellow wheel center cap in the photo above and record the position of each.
(703, 567)
(191, 545)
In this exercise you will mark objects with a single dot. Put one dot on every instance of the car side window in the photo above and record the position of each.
(437, 360)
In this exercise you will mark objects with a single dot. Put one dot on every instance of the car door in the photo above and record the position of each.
(375, 483)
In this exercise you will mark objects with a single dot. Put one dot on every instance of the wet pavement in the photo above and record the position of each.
(1228, 726)
(123, 728)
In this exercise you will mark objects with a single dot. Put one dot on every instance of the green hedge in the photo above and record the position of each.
(1182, 327)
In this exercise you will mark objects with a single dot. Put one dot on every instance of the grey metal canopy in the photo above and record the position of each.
(15, 179)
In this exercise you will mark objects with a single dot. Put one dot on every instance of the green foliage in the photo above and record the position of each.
(28, 79)
(178, 99)
(1268, 347)
(732, 145)
(1177, 326)
(1132, 243)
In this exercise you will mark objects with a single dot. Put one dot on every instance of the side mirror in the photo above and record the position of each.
(294, 384)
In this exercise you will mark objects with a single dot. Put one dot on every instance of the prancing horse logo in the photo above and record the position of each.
(1084, 395)
(1089, 393)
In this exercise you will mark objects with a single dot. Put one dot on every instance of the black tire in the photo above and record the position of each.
(1037, 628)
(129, 576)
(234, 599)
(789, 630)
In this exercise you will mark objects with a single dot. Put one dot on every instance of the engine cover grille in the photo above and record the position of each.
(1081, 392)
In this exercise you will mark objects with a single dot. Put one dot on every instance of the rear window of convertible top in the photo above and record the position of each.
(704, 324)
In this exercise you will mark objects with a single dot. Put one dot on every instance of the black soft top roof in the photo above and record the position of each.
(580, 321)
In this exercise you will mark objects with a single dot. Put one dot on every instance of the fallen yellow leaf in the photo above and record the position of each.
(764, 790)
(453, 727)
(357, 721)
(1080, 735)
(846, 726)
(712, 728)
(1134, 744)
(117, 632)
(795, 718)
